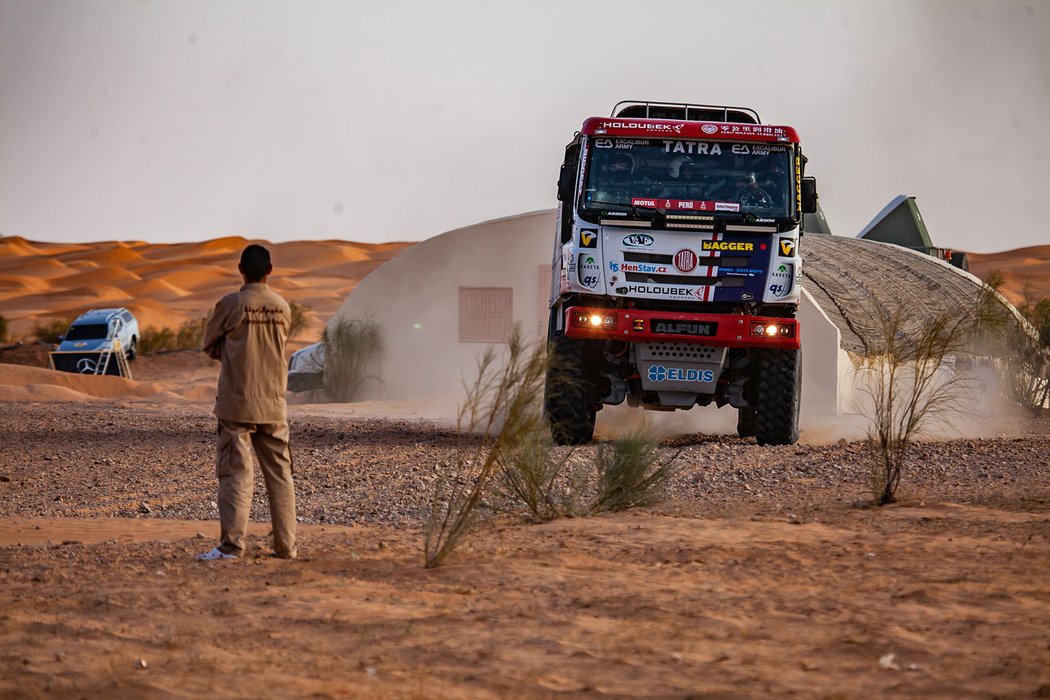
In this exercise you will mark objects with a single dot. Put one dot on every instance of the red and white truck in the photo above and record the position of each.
(676, 268)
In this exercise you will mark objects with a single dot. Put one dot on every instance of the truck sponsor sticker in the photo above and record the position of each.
(659, 373)
(787, 247)
(590, 271)
(749, 129)
(657, 289)
(740, 271)
(643, 127)
(685, 260)
(695, 148)
(740, 246)
(637, 267)
(682, 204)
(783, 280)
(624, 144)
(638, 240)
(589, 239)
(683, 327)
(727, 206)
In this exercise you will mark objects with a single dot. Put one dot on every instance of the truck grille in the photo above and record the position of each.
(681, 351)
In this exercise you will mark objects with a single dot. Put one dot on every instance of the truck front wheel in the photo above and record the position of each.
(779, 394)
(567, 396)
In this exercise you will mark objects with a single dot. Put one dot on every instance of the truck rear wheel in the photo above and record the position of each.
(779, 393)
(567, 396)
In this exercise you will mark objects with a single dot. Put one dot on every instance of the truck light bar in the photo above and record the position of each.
(626, 222)
(723, 330)
(750, 228)
(699, 226)
(689, 217)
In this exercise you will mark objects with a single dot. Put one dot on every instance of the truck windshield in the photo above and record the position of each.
(88, 331)
(679, 175)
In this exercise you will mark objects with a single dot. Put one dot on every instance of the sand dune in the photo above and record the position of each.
(1026, 271)
(111, 276)
(156, 289)
(38, 266)
(166, 285)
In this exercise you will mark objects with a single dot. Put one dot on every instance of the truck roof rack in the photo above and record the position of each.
(644, 109)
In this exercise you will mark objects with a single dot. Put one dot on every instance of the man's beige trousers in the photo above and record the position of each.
(236, 481)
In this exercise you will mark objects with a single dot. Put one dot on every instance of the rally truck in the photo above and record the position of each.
(676, 269)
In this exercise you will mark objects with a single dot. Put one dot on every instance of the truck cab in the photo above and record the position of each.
(676, 268)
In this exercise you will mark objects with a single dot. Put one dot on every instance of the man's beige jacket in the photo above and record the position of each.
(248, 331)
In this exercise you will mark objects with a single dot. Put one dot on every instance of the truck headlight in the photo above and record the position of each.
(587, 319)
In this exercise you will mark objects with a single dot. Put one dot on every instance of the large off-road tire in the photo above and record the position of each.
(779, 393)
(569, 391)
(133, 349)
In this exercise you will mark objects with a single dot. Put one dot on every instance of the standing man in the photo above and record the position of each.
(247, 332)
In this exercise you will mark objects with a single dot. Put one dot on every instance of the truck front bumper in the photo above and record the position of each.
(722, 330)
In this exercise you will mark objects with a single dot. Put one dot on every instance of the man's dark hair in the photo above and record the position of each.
(255, 263)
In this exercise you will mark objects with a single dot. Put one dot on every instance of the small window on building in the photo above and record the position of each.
(485, 314)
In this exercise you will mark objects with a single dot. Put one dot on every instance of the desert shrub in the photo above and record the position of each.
(3, 329)
(300, 318)
(51, 330)
(630, 473)
(911, 380)
(538, 479)
(188, 336)
(155, 340)
(501, 409)
(350, 350)
(1022, 344)
(514, 466)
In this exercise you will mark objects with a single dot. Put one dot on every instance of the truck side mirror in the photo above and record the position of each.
(566, 180)
(809, 195)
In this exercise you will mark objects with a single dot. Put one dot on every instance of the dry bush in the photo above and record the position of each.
(911, 380)
(503, 406)
(540, 481)
(630, 473)
(1022, 344)
(514, 466)
(188, 336)
(51, 330)
(155, 340)
(300, 318)
(351, 348)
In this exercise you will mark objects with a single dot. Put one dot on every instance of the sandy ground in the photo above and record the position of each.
(761, 575)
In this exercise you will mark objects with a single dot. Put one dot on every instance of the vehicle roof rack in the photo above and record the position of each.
(644, 109)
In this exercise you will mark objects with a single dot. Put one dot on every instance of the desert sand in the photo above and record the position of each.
(1025, 271)
(764, 572)
(166, 285)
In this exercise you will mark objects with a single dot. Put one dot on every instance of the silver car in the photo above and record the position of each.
(95, 331)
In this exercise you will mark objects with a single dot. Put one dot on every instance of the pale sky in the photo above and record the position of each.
(183, 120)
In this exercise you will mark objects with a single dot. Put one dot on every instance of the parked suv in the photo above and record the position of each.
(95, 331)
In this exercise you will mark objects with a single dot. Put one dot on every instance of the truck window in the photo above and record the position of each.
(689, 175)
